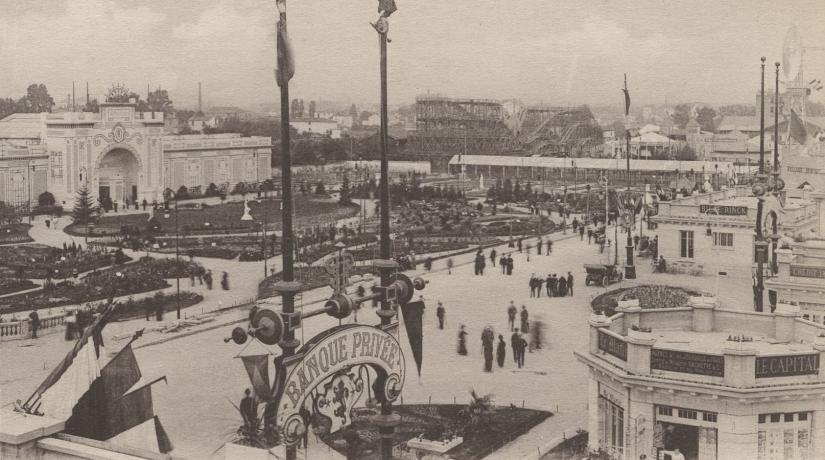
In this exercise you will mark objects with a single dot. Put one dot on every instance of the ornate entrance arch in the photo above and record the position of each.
(118, 170)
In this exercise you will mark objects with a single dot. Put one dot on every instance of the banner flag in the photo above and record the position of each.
(626, 97)
(797, 128)
(257, 366)
(286, 59)
(386, 7)
(413, 322)
(164, 443)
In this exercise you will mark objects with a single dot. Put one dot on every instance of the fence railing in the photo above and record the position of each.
(21, 329)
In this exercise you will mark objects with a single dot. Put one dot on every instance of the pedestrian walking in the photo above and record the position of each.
(522, 345)
(48, 224)
(439, 313)
(514, 345)
(532, 284)
(487, 343)
(225, 281)
(525, 324)
(581, 232)
(501, 351)
(570, 284)
(493, 257)
(450, 266)
(549, 247)
(528, 252)
(548, 285)
(538, 246)
(503, 264)
(462, 341)
(511, 315)
(509, 264)
(519, 245)
(208, 278)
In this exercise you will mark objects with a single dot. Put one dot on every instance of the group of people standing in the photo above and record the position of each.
(554, 286)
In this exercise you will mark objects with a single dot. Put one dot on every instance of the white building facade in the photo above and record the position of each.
(677, 378)
(715, 231)
(119, 153)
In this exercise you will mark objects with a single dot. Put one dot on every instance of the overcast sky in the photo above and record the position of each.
(558, 52)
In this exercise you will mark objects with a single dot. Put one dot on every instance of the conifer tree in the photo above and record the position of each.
(84, 209)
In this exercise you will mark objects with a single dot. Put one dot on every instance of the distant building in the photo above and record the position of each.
(321, 126)
(707, 232)
(119, 153)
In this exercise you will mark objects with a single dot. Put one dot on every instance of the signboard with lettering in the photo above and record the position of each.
(687, 363)
(808, 272)
(323, 369)
(612, 345)
(723, 210)
(787, 365)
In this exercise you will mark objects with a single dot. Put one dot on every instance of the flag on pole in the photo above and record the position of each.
(797, 128)
(386, 7)
(286, 58)
(413, 318)
(70, 379)
(626, 97)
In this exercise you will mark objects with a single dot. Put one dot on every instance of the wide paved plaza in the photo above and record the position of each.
(204, 374)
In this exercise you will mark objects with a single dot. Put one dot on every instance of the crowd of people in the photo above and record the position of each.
(553, 285)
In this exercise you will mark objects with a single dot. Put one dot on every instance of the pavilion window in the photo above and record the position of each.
(686, 244)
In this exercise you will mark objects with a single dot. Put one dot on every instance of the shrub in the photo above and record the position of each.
(45, 199)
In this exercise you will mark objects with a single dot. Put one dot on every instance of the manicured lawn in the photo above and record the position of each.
(113, 282)
(9, 285)
(15, 233)
(40, 261)
(502, 426)
(223, 218)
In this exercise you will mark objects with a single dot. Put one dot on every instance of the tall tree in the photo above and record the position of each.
(158, 101)
(345, 191)
(84, 209)
(681, 115)
(705, 118)
(38, 98)
(8, 106)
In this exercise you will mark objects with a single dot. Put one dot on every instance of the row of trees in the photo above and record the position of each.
(36, 100)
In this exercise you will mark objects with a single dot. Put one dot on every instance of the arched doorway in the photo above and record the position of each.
(118, 176)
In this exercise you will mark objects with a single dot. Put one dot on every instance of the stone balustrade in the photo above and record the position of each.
(21, 329)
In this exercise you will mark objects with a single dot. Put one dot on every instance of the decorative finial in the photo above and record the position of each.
(763, 59)
(776, 64)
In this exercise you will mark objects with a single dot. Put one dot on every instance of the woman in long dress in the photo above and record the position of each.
(462, 341)
(500, 351)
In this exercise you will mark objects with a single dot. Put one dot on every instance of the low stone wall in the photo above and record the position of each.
(15, 330)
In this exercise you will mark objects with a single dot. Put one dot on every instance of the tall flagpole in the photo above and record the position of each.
(386, 421)
(759, 191)
(287, 287)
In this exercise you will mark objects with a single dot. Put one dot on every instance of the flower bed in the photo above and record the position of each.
(40, 261)
(131, 308)
(502, 425)
(15, 233)
(310, 278)
(9, 285)
(115, 282)
(650, 296)
(171, 268)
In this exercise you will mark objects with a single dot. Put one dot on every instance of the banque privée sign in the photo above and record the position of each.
(787, 365)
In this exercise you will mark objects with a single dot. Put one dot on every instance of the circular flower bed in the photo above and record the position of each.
(650, 296)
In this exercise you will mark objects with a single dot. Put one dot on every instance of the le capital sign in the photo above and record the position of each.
(328, 362)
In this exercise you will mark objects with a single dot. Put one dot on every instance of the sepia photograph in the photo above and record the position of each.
(412, 230)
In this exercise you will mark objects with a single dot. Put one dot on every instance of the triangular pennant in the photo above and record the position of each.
(257, 366)
(413, 320)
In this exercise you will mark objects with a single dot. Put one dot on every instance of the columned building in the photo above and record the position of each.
(118, 153)
(713, 384)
